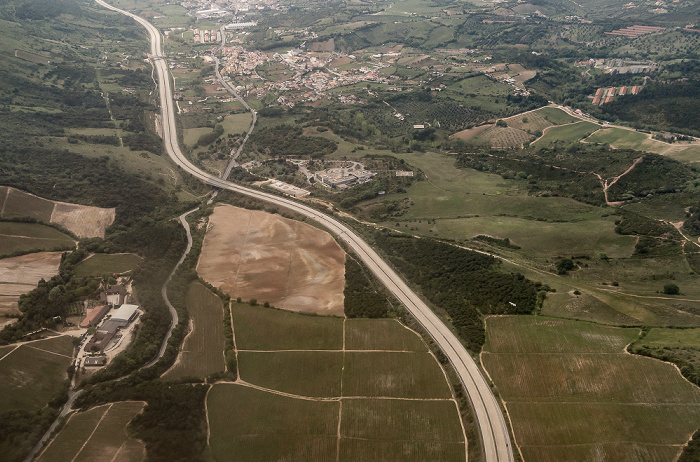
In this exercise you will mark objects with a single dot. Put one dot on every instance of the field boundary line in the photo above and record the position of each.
(119, 450)
(602, 442)
(233, 338)
(93, 432)
(9, 352)
(500, 397)
(606, 403)
(333, 351)
(243, 383)
(206, 412)
(358, 438)
(47, 351)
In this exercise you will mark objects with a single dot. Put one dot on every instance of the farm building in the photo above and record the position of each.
(596, 100)
(608, 99)
(125, 313)
(99, 341)
(623, 91)
(635, 89)
(115, 295)
(95, 361)
(611, 91)
(94, 315)
(599, 92)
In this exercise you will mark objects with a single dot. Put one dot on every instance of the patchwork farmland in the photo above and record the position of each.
(594, 398)
(31, 237)
(98, 435)
(107, 263)
(324, 388)
(31, 373)
(81, 220)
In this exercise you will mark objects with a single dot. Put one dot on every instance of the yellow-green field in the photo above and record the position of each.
(571, 133)
(572, 390)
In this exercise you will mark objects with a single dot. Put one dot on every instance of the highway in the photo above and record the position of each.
(492, 426)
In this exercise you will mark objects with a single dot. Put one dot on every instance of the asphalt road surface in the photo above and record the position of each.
(492, 425)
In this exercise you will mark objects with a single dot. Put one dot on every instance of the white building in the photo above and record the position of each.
(125, 313)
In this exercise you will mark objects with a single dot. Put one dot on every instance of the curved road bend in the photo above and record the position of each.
(164, 291)
(492, 425)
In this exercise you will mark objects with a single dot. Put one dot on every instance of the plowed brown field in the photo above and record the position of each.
(19, 275)
(292, 265)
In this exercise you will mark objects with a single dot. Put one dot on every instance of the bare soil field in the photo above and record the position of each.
(81, 220)
(523, 74)
(19, 275)
(292, 265)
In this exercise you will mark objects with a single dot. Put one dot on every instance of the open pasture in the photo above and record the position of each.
(306, 373)
(398, 375)
(237, 123)
(260, 328)
(381, 334)
(660, 337)
(274, 427)
(107, 263)
(32, 373)
(254, 254)
(202, 351)
(570, 133)
(98, 435)
(19, 275)
(586, 397)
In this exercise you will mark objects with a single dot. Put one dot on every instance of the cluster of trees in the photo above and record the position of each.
(94, 139)
(65, 176)
(361, 297)
(670, 106)
(288, 141)
(633, 223)
(173, 424)
(466, 284)
(655, 174)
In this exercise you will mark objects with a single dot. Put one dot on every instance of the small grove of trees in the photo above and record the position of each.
(671, 289)
(361, 298)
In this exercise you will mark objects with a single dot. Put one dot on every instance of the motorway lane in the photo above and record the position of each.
(492, 425)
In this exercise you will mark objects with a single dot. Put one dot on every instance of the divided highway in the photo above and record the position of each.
(492, 425)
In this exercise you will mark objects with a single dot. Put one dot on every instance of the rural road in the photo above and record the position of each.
(492, 426)
(164, 291)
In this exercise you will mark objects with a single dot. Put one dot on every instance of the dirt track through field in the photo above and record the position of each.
(292, 265)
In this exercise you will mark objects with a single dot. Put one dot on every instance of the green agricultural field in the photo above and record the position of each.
(98, 435)
(593, 394)
(570, 133)
(399, 375)
(21, 204)
(306, 373)
(555, 115)
(32, 374)
(104, 263)
(237, 123)
(192, 135)
(550, 335)
(659, 337)
(619, 138)
(260, 328)
(202, 352)
(381, 334)
(503, 137)
(259, 427)
(24, 237)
